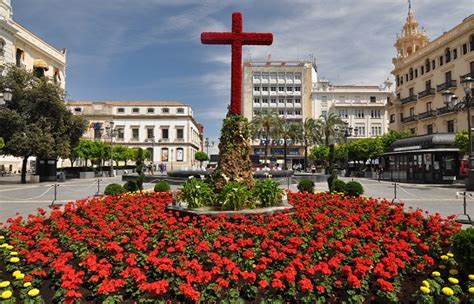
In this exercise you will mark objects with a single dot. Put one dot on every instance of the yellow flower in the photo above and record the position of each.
(34, 292)
(20, 276)
(444, 257)
(7, 294)
(9, 247)
(453, 280)
(453, 271)
(449, 254)
(4, 245)
(425, 290)
(471, 277)
(436, 274)
(13, 253)
(27, 284)
(471, 290)
(442, 267)
(14, 260)
(2, 237)
(426, 283)
(4, 284)
(447, 291)
(16, 272)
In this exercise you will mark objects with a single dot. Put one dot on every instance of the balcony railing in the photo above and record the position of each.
(426, 114)
(447, 85)
(427, 92)
(409, 119)
(471, 74)
(409, 99)
(445, 109)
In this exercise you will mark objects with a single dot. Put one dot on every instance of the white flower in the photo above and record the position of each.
(197, 186)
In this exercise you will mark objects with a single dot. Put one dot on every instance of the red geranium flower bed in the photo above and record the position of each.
(126, 248)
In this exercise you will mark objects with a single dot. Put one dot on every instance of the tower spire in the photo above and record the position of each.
(409, 4)
(411, 40)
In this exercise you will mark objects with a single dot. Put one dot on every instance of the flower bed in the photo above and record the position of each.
(119, 249)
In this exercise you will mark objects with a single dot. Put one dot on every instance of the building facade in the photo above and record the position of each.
(283, 88)
(22, 48)
(166, 128)
(362, 107)
(423, 71)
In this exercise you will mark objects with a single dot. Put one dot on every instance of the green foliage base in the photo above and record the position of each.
(114, 189)
(162, 186)
(130, 186)
(306, 185)
(463, 249)
(354, 188)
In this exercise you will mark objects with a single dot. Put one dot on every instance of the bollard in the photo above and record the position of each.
(464, 218)
(55, 194)
(98, 187)
(394, 192)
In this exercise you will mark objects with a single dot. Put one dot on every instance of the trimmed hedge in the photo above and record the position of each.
(114, 189)
(306, 185)
(463, 249)
(339, 186)
(354, 188)
(131, 186)
(162, 186)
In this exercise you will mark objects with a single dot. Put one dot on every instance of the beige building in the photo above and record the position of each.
(282, 87)
(423, 71)
(166, 128)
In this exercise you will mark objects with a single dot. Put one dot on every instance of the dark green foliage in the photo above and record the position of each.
(139, 161)
(354, 188)
(235, 196)
(114, 189)
(339, 186)
(130, 186)
(306, 185)
(268, 192)
(332, 178)
(463, 249)
(197, 193)
(162, 186)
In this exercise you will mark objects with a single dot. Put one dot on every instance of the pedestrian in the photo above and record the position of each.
(313, 169)
(162, 168)
(380, 173)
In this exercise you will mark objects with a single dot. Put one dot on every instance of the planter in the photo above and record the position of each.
(86, 174)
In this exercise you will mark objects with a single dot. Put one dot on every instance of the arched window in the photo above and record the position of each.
(447, 55)
(427, 65)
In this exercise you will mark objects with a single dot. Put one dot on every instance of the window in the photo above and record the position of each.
(281, 112)
(297, 89)
(265, 76)
(448, 76)
(412, 112)
(392, 118)
(297, 76)
(120, 133)
(373, 99)
(464, 49)
(179, 154)
(165, 110)
(398, 80)
(375, 113)
(150, 133)
(77, 110)
(265, 100)
(256, 100)
(343, 113)
(376, 130)
(450, 126)
(56, 76)
(411, 73)
(135, 110)
(401, 116)
(265, 89)
(427, 65)
(281, 76)
(273, 100)
(455, 54)
(180, 110)
(19, 58)
(289, 112)
(281, 101)
(411, 92)
(416, 73)
(360, 130)
(273, 76)
(447, 55)
(256, 89)
(121, 110)
(441, 60)
(360, 113)
(256, 76)
(273, 89)
(2, 47)
(281, 89)
(98, 130)
(297, 112)
(406, 77)
(471, 43)
(422, 69)
(297, 101)
(429, 129)
(289, 89)
(433, 64)
(135, 133)
(428, 106)
(324, 101)
(164, 133)
(289, 101)
(150, 110)
(413, 130)
(180, 133)
(428, 84)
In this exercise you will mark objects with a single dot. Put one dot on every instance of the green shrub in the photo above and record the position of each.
(162, 186)
(463, 249)
(339, 186)
(354, 188)
(114, 189)
(306, 185)
(235, 196)
(197, 193)
(130, 186)
(268, 192)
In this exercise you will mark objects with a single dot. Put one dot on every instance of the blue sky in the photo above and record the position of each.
(151, 50)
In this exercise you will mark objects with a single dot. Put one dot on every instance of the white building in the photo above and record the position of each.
(166, 128)
(363, 107)
(22, 48)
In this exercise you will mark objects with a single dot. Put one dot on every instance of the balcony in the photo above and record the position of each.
(411, 118)
(467, 75)
(427, 114)
(427, 92)
(445, 110)
(447, 85)
(409, 99)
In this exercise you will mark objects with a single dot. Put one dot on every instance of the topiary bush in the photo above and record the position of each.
(114, 189)
(463, 249)
(306, 185)
(354, 188)
(162, 186)
(339, 186)
(268, 192)
(131, 186)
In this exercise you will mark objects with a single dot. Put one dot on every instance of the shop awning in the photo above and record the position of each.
(423, 151)
(439, 140)
(40, 63)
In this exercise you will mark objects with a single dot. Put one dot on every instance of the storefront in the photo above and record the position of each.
(423, 159)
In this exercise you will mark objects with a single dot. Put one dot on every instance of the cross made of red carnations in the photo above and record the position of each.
(237, 38)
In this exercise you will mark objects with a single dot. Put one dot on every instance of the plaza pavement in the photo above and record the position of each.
(25, 199)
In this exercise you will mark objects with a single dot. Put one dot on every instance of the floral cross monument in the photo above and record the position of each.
(237, 39)
(234, 145)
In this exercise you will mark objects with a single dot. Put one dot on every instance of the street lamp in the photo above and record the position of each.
(7, 96)
(467, 85)
(110, 130)
(346, 132)
(152, 141)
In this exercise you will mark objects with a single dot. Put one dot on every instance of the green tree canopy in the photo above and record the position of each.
(320, 154)
(36, 121)
(365, 148)
(266, 126)
(391, 136)
(2, 143)
(462, 141)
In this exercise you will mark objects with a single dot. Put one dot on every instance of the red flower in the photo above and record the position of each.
(306, 285)
(385, 285)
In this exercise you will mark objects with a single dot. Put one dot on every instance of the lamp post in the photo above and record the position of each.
(110, 130)
(346, 132)
(152, 141)
(6, 96)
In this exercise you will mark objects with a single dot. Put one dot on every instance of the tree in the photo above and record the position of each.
(93, 150)
(462, 141)
(139, 161)
(288, 132)
(120, 153)
(327, 131)
(320, 154)
(200, 156)
(309, 137)
(391, 136)
(365, 149)
(2, 143)
(266, 125)
(77, 126)
(36, 121)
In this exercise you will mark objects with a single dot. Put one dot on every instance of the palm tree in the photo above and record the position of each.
(309, 136)
(327, 128)
(266, 125)
(289, 132)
